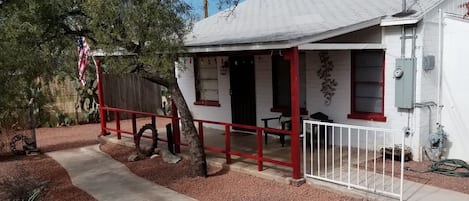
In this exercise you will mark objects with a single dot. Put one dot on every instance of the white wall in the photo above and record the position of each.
(402, 118)
(340, 104)
(264, 93)
(427, 85)
(455, 97)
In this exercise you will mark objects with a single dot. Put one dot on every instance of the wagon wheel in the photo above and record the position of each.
(154, 138)
(17, 144)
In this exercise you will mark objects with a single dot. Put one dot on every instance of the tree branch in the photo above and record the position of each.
(156, 79)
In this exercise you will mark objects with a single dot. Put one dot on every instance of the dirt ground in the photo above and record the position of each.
(42, 169)
(222, 185)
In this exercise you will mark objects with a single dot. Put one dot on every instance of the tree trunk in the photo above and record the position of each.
(196, 149)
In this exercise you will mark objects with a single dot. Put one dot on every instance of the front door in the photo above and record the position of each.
(243, 90)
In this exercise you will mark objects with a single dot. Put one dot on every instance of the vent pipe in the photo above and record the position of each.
(404, 6)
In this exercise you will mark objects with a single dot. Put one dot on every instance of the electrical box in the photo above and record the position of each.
(428, 62)
(404, 76)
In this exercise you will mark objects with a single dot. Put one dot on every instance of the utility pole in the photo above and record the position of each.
(205, 8)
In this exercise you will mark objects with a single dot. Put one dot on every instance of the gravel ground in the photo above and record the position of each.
(221, 185)
(42, 168)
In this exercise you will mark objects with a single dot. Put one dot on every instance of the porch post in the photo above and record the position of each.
(295, 111)
(102, 114)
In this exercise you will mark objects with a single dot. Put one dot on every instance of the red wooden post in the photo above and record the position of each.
(118, 124)
(134, 126)
(293, 56)
(153, 121)
(176, 130)
(227, 144)
(260, 165)
(102, 114)
(201, 133)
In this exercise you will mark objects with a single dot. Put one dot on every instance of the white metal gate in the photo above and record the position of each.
(354, 156)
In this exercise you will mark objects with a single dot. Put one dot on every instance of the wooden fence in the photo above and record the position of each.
(131, 92)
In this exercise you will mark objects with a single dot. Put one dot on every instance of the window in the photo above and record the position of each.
(206, 81)
(368, 85)
(281, 84)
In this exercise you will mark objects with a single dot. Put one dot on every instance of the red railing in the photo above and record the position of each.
(200, 123)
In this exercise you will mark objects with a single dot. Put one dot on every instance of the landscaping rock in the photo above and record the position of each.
(134, 157)
(154, 156)
(169, 157)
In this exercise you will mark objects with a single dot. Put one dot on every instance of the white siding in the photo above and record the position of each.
(340, 103)
(264, 93)
(427, 85)
(402, 118)
(454, 88)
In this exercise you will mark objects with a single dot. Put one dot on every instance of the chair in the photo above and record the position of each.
(283, 123)
(318, 116)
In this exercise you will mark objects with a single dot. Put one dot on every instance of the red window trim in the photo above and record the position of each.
(365, 115)
(368, 116)
(207, 103)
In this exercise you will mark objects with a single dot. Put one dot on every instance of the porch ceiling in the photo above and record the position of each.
(341, 46)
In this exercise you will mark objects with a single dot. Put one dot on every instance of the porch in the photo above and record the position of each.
(343, 154)
(242, 143)
(331, 163)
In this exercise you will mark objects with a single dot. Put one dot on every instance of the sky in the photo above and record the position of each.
(198, 6)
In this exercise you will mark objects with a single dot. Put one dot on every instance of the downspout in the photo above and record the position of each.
(411, 111)
(414, 38)
(440, 69)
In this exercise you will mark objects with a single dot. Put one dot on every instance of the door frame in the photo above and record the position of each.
(253, 114)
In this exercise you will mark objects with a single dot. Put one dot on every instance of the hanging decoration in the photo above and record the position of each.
(329, 84)
(224, 68)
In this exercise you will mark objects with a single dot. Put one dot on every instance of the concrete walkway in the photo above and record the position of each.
(107, 179)
(414, 191)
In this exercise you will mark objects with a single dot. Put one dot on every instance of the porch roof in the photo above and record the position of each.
(277, 24)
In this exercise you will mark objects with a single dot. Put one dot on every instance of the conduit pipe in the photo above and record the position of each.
(440, 63)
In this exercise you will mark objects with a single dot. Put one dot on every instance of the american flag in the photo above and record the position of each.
(83, 51)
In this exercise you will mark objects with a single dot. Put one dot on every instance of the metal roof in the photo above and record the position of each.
(420, 6)
(270, 24)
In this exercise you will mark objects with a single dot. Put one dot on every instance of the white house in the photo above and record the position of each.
(361, 62)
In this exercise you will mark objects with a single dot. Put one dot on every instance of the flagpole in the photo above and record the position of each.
(102, 115)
